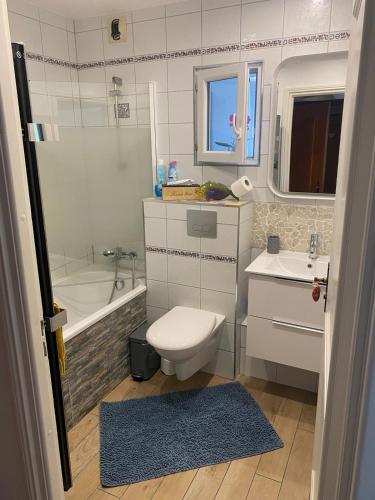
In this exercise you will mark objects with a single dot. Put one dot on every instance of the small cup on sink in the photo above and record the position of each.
(273, 244)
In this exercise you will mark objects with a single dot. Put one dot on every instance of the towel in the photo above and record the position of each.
(60, 342)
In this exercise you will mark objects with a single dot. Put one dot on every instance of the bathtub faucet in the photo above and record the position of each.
(118, 253)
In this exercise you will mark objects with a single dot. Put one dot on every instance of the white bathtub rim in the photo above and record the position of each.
(85, 323)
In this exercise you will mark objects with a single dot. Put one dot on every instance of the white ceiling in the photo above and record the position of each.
(92, 8)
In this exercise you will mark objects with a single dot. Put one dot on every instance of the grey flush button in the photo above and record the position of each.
(202, 223)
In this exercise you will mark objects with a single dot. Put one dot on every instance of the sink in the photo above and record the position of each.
(292, 265)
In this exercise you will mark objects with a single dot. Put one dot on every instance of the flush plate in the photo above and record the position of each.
(202, 223)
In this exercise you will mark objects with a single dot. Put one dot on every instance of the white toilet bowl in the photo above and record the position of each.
(186, 339)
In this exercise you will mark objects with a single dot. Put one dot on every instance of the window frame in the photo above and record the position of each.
(203, 75)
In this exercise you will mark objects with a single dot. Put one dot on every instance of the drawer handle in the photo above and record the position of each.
(296, 327)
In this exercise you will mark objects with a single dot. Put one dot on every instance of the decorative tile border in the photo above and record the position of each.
(218, 49)
(193, 255)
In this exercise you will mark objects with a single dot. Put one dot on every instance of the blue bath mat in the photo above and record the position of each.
(145, 438)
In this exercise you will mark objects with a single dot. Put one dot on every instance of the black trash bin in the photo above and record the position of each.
(144, 360)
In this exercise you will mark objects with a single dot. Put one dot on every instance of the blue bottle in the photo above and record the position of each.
(160, 178)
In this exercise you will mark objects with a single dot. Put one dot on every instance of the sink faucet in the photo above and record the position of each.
(313, 253)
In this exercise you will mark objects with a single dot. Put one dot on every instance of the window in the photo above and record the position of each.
(227, 117)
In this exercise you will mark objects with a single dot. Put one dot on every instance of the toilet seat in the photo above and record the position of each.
(181, 328)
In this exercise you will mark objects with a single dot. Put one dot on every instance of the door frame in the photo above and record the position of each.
(347, 450)
(22, 315)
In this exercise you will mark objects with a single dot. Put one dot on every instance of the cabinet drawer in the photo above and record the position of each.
(283, 343)
(285, 300)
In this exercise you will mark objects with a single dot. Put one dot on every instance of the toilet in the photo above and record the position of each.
(186, 339)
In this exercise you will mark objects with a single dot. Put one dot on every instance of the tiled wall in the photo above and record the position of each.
(166, 42)
(199, 272)
(98, 359)
(294, 224)
(88, 177)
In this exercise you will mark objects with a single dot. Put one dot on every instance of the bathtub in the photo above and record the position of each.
(85, 296)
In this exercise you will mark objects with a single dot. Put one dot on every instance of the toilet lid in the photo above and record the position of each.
(181, 328)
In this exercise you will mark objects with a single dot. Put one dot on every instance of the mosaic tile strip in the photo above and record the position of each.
(294, 224)
(193, 255)
(219, 49)
(98, 359)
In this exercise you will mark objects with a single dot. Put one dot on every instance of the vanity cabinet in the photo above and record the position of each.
(284, 324)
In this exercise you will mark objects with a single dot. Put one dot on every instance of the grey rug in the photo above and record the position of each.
(145, 438)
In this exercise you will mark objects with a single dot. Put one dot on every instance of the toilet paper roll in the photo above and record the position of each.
(241, 187)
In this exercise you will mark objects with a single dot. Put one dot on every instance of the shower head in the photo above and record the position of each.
(116, 80)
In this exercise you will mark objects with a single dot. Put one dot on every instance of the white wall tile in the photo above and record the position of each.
(154, 313)
(154, 209)
(303, 17)
(338, 45)
(219, 276)
(155, 232)
(184, 32)
(94, 112)
(72, 47)
(58, 80)
(184, 271)
(155, 71)
(156, 266)
(181, 138)
(262, 20)
(162, 107)
(143, 109)
(92, 83)
(149, 37)
(23, 8)
(55, 42)
(178, 238)
(219, 302)
(148, 14)
(225, 242)
(222, 58)
(36, 76)
(178, 211)
(227, 337)
(27, 31)
(244, 242)
(225, 175)
(162, 134)
(216, 4)
(181, 107)
(186, 296)
(222, 364)
(185, 7)
(180, 72)
(62, 109)
(305, 49)
(341, 15)
(87, 24)
(89, 46)
(53, 19)
(157, 293)
(225, 215)
(221, 26)
(121, 49)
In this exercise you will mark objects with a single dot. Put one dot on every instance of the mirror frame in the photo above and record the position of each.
(272, 135)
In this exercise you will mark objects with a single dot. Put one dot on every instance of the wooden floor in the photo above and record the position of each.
(282, 474)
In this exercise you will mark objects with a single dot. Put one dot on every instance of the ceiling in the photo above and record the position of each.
(92, 8)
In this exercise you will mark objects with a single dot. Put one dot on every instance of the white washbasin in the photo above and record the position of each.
(292, 265)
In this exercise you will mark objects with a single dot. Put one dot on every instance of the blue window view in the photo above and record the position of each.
(222, 103)
(251, 113)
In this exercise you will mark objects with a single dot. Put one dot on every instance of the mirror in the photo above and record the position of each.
(306, 123)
